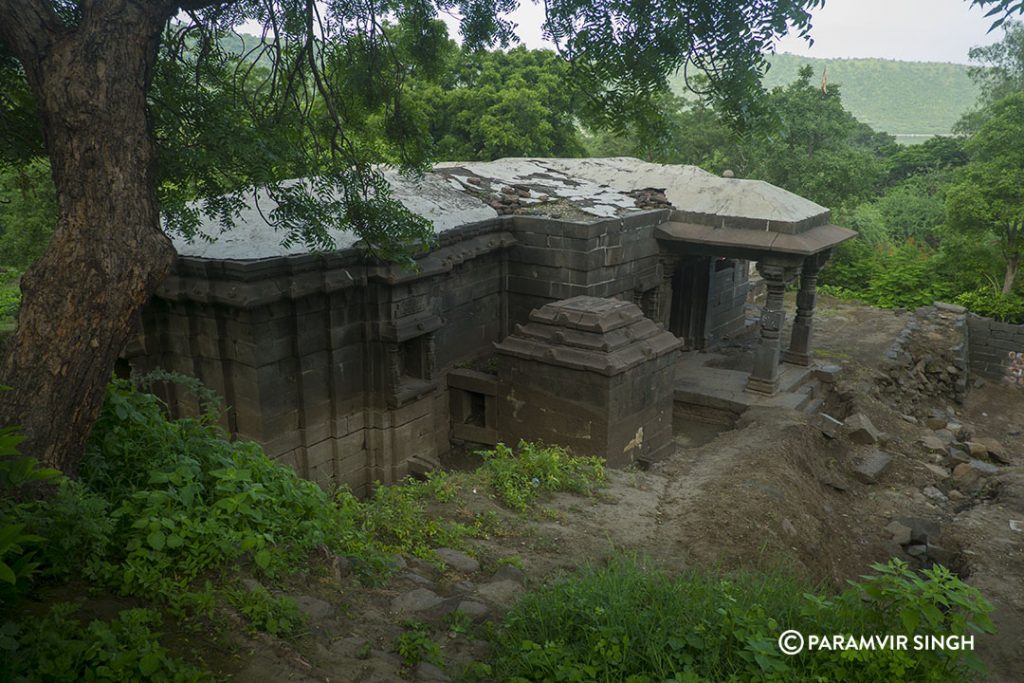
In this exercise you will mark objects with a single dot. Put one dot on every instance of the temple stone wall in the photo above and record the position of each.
(591, 374)
(727, 298)
(554, 260)
(340, 369)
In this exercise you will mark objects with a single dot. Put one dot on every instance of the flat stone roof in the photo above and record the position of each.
(456, 194)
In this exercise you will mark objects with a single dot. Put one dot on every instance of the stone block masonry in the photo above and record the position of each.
(340, 368)
(591, 374)
(996, 350)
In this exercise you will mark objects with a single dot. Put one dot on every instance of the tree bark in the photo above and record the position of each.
(1012, 264)
(108, 253)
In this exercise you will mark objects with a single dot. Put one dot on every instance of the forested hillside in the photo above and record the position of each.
(905, 99)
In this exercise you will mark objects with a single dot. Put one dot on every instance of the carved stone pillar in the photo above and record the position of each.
(799, 351)
(764, 379)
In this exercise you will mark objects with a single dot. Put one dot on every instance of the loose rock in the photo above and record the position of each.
(313, 608)
(860, 430)
(425, 671)
(476, 611)
(416, 600)
(508, 572)
(458, 560)
(872, 466)
(901, 533)
(501, 593)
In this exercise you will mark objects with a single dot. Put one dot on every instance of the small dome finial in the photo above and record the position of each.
(727, 173)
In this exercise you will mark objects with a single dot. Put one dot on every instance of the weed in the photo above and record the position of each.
(458, 622)
(59, 648)
(512, 561)
(415, 646)
(627, 621)
(276, 615)
(519, 477)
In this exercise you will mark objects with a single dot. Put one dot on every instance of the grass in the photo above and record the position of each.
(628, 621)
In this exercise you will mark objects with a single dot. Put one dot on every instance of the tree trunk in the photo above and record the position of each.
(108, 254)
(1012, 263)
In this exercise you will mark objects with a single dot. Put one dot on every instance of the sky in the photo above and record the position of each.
(913, 30)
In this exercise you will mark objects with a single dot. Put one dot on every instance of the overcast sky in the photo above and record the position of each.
(916, 30)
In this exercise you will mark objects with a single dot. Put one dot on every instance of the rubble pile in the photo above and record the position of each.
(928, 361)
(650, 198)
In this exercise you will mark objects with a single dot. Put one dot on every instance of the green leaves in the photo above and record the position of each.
(626, 620)
(156, 540)
(57, 647)
(519, 477)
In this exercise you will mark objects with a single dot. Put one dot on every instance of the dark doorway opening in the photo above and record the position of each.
(690, 284)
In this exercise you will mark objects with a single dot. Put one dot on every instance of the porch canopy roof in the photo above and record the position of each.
(749, 219)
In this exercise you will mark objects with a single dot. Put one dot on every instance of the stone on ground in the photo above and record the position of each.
(501, 593)
(425, 671)
(828, 425)
(508, 572)
(860, 430)
(996, 451)
(934, 494)
(901, 533)
(933, 444)
(976, 449)
(938, 470)
(416, 600)
(476, 611)
(315, 609)
(872, 466)
(458, 560)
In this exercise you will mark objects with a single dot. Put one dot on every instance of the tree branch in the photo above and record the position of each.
(27, 30)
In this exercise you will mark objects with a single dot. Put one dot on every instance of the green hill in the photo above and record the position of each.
(911, 100)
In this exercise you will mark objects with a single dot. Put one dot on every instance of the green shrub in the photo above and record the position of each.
(59, 648)
(395, 516)
(518, 477)
(627, 622)
(415, 646)
(901, 276)
(19, 544)
(10, 301)
(1007, 308)
(277, 615)
(185, 500)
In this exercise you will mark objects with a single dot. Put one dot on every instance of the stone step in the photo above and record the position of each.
(793, 377)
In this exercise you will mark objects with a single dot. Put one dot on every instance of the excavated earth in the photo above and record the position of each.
(772, 491)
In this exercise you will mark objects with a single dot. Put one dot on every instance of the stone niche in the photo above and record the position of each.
(591, 374)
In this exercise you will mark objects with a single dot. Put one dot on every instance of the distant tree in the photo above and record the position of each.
(503, 103)
(998, 69)
(814, 147)
(934, 154)
(678, 131)
(987, 201)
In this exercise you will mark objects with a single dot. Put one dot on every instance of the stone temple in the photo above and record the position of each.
(558, 304)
